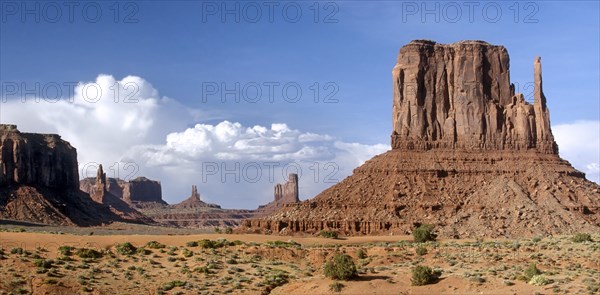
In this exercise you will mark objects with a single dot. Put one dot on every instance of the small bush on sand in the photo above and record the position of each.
(336, 287)
(424, 233)
(539, 280)
(421, 250)
(530, 272)
(329, 234)
(172, 284)
(423, 275)
(66, 250)
(581, 237)
(155, 245)
(88, 253)
(126, 248)
(361, 254)
(340, 267)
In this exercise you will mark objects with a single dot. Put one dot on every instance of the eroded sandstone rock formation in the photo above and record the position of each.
(284, 193)
(39, 181)
(468, 155)
(193, 212)
(37, 159)
(194, 201)
(100, 193)
(459, 96)
(139, 192)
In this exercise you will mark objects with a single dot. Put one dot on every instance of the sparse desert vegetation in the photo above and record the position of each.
(256, 264)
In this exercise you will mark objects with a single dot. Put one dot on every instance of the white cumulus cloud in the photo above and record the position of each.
(129, 128)
(579, 142)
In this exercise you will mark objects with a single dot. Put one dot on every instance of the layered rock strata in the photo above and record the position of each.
(193, 212)
(284, 193)
(39, 182)
(469, 155)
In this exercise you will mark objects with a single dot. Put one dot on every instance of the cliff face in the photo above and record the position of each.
(459, 96)
(283, 193)
(139, 192)
(36, 159)
(468, 155)
(143, 189)
(39, 182)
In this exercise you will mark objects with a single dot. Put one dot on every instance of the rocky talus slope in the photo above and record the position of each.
(469, 155)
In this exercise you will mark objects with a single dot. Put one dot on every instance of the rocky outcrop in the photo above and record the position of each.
(39, 182)
(193, 212)
(468, 155)
(285, 193)
(143, 190)
(99, 191)
(100, 194)
(37, 160)
(194, 201)
(139, 192)
(459, 96)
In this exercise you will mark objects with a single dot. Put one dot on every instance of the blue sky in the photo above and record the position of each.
(177, 46)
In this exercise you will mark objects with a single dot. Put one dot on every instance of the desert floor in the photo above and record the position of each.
(49, 260)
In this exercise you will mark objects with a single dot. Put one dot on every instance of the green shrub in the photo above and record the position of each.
(126, 248)
(581, 237)
(143, 251)
(329, 234)
(539, 280)
(340, 267)
(192, 244)
(361, 254)
(17, 251)
(282, 244)
(421, 250)
(336, 287)
(88, 253)
(43, 263)
(423, 275)
(277, 279)
(172, 284)
(155, 245)
(66, 250)
(213, 244)
(424, 233)
(228, 230)
(531, 271)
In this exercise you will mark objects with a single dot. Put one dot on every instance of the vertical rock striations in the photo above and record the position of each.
(139, 192)
(469, 155)
(459, 96)
(286, 193)
(39, 182)
(143, 190)
(36, 159)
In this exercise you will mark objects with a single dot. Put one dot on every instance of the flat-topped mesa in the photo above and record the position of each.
(142, 190)
(459, 96)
